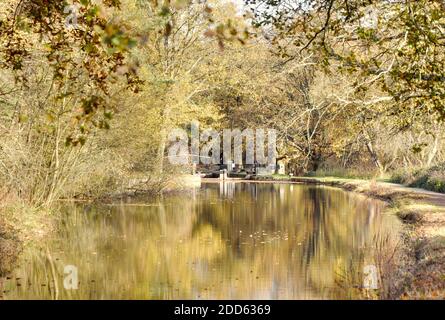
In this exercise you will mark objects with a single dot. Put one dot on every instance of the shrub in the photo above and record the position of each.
(430, 179)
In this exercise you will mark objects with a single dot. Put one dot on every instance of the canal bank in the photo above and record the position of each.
(22, 226)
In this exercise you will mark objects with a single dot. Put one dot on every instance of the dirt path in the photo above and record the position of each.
(429, 197)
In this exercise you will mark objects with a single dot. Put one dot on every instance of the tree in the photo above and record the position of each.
(83, 45)
(397, 46)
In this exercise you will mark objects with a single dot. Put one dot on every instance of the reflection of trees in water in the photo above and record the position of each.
(328, 223)
(292, 240)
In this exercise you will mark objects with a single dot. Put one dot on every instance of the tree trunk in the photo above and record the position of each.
(374, 156)
(161, 152)
(433, 152)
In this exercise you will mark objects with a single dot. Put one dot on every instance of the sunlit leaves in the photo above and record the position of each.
(398, 46)
(104, 46)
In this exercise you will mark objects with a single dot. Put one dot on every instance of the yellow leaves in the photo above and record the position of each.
(180, 4)
(22, 118)
(47, 47)
(50, 117)
(228, 32)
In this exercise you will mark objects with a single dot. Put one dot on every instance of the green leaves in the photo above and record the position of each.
(92, 13)
(116, 40)
(165, 11)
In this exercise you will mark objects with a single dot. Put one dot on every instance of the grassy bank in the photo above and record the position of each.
(20, 226)
(430, 178)
(10, 247)
(423, 214)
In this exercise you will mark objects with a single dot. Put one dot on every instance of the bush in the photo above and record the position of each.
(432, 179)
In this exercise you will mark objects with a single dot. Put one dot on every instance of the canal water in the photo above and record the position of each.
(219, 241)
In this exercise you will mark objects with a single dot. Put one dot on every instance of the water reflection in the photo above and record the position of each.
(227, 241)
